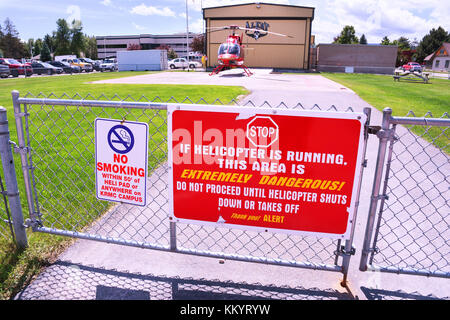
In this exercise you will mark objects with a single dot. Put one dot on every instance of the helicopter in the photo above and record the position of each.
(231, 53)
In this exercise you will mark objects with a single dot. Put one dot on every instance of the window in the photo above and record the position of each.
(437, 64)
(447, 62)
(229, 48)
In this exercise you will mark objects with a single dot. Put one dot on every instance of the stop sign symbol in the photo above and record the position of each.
(262, 131)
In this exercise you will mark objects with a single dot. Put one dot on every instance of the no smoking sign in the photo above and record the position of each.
(121, 161)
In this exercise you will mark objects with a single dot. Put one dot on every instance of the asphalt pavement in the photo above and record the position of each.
(97, 270)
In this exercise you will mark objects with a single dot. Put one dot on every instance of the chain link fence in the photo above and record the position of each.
(408, 223)
(58, 133)
(411, 229)
(6, 229)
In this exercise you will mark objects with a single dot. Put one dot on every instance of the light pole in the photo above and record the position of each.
(187, 35)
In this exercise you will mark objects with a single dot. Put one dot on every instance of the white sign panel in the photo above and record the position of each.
(121, 161)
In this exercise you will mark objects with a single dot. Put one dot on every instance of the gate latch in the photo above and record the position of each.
(18, 149)
(373, 129)
(343, 252)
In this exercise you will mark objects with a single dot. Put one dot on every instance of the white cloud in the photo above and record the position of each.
(378, 18)
(144, 10)
(138, 27)
(196, 26)
(74, 13)
(106, 2)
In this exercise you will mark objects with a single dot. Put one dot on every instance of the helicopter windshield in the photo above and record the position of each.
(229, 48)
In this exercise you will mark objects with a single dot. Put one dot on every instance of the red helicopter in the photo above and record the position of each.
(231, 53)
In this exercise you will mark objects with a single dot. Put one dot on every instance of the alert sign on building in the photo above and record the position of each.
(285, 170)
(121, 161)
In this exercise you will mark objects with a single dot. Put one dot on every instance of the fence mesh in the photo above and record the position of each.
(413, 229)
(61, 138)
(6, 230)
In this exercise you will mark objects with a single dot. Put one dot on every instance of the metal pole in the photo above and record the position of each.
(187, 36)
(349, 243)
(23, 154)
(384, 135)
(173, 236)
(12, 188)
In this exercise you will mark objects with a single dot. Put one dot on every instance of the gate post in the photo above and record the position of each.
(12, 189)
(347, 250)
(384, 135)
(22, 149)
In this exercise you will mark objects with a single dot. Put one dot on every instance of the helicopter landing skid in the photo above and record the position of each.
(221, 66)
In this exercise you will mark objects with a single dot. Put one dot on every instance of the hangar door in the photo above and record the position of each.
(265, 50)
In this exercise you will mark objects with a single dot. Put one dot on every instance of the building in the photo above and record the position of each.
(107, 46)
(439, 60)
(358, 58)
(263, 50)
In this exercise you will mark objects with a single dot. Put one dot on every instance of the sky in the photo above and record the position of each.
(374, 18)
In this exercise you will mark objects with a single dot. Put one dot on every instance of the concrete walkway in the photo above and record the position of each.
(94, 270)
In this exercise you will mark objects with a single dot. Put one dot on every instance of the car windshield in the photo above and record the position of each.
(108, 61)
(229, 48)
(12, 61)
(76, 61)
(47, 65)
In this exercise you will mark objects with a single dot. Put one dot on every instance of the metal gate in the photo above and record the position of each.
(407, 230)
(12, 227)
(410, 232)
(57, 152)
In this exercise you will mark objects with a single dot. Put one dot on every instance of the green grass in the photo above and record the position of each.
(402, 97)
(63, 155)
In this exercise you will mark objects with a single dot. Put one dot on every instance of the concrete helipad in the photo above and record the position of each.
(309, 89)
(94, 270)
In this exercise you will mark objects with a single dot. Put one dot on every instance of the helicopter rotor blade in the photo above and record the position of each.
(247, 29)
(264, 31)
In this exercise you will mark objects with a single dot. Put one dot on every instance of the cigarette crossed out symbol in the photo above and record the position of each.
(120, 139)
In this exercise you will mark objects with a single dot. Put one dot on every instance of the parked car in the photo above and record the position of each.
(95, 63)
(57, 70)
(183, 63)
(65, 66)
(16, 68)
(86, 67)
(4, 71)
(412, 66)
(109, 64)
(45, 68)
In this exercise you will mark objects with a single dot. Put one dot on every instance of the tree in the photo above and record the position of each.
(77, 38)
(10, 42)
(171, 54)
(134, 46)
(347, 36)
(62, 38)
(363, 39)
(385, 41)
(404, 52)
(37, 48)
(403, 43)
(198, 44)
(90, 44)
(45, 53)
(50, 42)
(431, 42)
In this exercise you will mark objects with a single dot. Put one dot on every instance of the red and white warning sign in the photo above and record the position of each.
(121, 161)
(292, 171)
